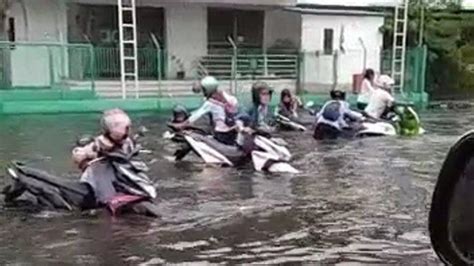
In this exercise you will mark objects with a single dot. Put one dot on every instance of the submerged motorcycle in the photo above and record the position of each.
(265, 154)
(288, 124)
(404, 121)
(297, 124)
(115, 181)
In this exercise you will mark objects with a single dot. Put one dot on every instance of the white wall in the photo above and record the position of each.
(282, 25)
(318, 68)
(351, 2)
(468, 4)
(186, 36)
(46, 22)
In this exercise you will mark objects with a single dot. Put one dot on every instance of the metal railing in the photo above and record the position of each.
(71, 65)
(268, 66)
(107, 63)
(35, 64)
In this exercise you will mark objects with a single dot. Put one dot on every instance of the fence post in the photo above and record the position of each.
(158, 62)
(4, 67)
(51, 67)
(233, 74)
(335, 68)
(92, 66)
(234, 71)
(301, 72)
(265, 63)
(64, 75)
(422, 75)
(299, 56)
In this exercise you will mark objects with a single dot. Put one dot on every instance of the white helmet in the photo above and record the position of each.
(209, 85)
(116, 124)
(385, 82)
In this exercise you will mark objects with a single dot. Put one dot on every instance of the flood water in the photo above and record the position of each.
(362, 201)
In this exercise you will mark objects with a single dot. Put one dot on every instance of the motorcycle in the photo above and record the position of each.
(286, 123)
(115, 181)
(403, 121)
(265, 154)
(299, 124)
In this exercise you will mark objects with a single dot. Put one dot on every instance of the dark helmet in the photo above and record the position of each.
(180, 110)
(209, 86)
(197, 87)
(338, 95)
(257, 89)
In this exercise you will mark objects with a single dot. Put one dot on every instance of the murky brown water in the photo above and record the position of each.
(362, 201)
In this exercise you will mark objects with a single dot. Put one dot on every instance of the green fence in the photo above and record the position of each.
(107, 63)
(54, 65)
(33, 65)
(250, 66)
(78, 66)
(415, 69)
(4, 69)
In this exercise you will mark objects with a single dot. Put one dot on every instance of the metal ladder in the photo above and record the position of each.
(400, 25)
(128, 46)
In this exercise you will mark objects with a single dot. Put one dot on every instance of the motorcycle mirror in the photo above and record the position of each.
(168, 135)
(451, 218)
(84, 140)
(309, 104)
(12, 173)
(142, 131)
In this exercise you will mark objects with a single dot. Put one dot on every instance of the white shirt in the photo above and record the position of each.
(218, 111)
(366, 90)
(379, 101)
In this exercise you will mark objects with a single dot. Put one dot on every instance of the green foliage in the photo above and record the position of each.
(449, 35)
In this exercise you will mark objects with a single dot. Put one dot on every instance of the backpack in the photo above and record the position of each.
(332, 111)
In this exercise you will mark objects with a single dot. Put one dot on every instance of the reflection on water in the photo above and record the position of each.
(363, 201)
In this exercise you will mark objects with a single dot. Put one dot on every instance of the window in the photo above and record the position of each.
(244, 26)
(328, 41)
(11, 30)
(98, 24)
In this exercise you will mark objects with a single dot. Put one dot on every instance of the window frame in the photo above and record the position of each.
(328, 41)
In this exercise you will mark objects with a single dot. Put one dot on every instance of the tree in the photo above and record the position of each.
(448, 33)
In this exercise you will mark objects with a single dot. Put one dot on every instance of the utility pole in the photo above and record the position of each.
(422, 23)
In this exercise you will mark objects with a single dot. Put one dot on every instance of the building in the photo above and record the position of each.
(338, 40)
(283, 41)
